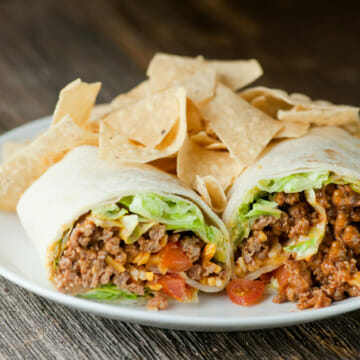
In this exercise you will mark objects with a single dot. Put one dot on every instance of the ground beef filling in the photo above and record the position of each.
(91, 252)
(268, 233)
(329, 274)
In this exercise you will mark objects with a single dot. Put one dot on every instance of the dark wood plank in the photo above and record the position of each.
(312, 48)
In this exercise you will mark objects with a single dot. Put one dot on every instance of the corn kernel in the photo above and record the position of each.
(209, 251)
(155, 287)
(262, 236)
(149, 276)
(211, 281)
(142, 258)
(118, 267)
(155, 259)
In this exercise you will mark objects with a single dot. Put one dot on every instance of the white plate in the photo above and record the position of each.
(20, 264)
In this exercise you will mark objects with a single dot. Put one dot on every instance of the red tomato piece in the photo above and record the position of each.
(245, 292)
(173, 286)
(174, 259)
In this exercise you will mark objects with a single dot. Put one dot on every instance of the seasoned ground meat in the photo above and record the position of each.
(95, 256)
(295, 220)
(152, 244)
(327, 275)
(191, 246)
(195, 272)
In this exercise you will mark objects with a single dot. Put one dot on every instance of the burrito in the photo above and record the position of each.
(294, 218)
(124, 232)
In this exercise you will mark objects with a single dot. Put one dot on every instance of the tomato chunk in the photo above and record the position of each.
(245, 292)
(174, 259)
(173, 286)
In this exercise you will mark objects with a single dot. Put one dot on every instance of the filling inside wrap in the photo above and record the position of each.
(145, 246)
(301, 233)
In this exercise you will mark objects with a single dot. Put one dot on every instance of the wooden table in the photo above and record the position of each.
(45, 44)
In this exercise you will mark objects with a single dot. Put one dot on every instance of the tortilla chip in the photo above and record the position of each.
(76, 99)
(353, 128)
(238, 73)
(270, 105)
(195, 122)
(29, 163)
(165, 68)
(99, 112)
(293, 129)
(10, 148)
(193, 161)
(165, 164)
(299, 107)
(203, 139)
(332, 116)
(254, 92)
(216, 146)
(152, 128)
(199, 85)
(211, 192)
(244, 129)
(137, 93)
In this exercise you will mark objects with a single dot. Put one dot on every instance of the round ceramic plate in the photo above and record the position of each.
(20, 263)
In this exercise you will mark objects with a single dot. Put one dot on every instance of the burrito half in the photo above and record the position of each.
(115, 232)
(294, 218)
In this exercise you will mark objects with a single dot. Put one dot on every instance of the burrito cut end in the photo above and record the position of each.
(300, 232)
(124, 233)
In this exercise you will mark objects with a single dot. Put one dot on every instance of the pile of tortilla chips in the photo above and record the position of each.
(187, 118)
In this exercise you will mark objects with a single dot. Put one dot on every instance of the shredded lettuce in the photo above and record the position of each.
(109, 212)
(136, 214)
(176, 213)
(108, 292)
(295, 182)
(263, 207)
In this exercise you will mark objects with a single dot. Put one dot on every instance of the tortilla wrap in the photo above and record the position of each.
(81, 182)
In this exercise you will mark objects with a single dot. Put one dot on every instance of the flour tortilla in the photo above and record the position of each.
(80, 182)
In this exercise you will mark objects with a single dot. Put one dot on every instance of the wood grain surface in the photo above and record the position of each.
(311, 48)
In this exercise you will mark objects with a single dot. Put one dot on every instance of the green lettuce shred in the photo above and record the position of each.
(108, 292)
(176, 213)
(263, 207)
(109, 212)
(295, 182)
(136, 214)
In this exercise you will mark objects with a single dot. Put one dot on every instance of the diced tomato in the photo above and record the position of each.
(282, 277)
(245, 292)
(173, 286)
(174, 259)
